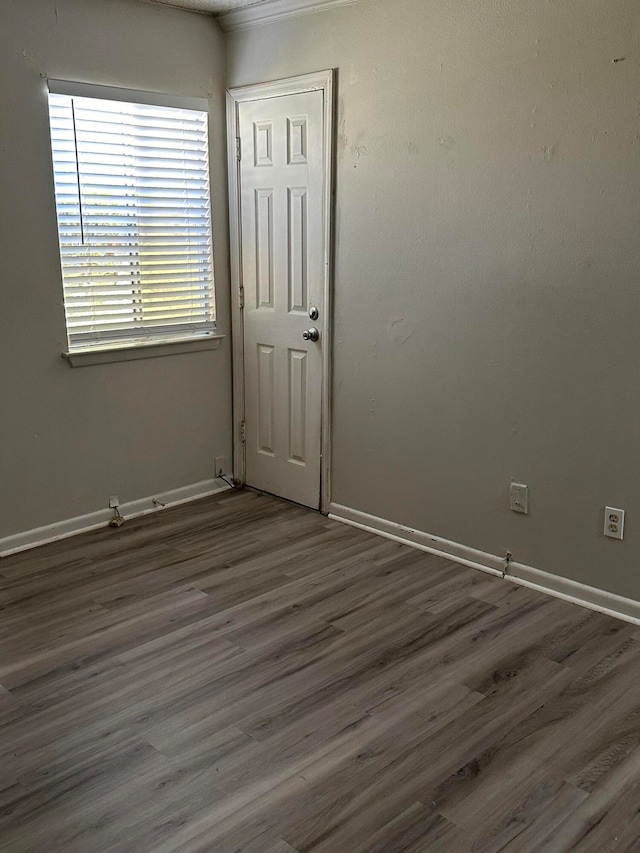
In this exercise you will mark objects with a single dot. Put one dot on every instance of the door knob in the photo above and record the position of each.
(311, 335)
(313, 313)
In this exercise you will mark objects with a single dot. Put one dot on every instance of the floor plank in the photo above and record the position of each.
(241, 674)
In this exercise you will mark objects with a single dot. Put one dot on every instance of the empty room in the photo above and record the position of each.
(319, 506)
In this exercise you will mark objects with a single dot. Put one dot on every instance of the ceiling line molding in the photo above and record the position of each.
(276, 10)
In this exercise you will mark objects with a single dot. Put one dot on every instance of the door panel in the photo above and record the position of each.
(266, 399)
(264, 248)
(297, 406)
(282, 251)
(298, 249)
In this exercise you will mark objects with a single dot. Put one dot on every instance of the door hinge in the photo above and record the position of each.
(238, 149)
(243, 432)
(241, 297)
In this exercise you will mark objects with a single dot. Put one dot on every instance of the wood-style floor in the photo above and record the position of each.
(240, 674)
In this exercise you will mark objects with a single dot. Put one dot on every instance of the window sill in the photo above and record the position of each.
(133, 351)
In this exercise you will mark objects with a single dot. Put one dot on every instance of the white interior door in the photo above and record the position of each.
(282, 265)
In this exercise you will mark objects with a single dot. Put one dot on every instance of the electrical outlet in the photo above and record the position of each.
(219, 465)
(519, 498)
(613, 522)
(114, 501)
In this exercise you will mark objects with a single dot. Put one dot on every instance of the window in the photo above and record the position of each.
(131, 178)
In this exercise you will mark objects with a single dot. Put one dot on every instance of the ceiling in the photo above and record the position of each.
(212, 7)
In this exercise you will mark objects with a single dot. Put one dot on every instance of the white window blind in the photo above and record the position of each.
(134, 220)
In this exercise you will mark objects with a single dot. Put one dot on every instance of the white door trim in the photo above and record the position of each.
(323, 81)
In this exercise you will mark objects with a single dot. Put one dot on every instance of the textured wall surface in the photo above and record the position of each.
(487, 277)
(71, 437)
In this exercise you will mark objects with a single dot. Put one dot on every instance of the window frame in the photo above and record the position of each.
(155, 340)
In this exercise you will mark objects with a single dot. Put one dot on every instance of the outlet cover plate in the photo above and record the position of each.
(519, 498)
(613, 522)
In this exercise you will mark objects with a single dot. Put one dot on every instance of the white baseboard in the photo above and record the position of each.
(519, 573)
(83, 523)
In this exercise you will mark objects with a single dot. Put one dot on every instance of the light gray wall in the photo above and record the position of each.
(487, 281)
(71, 437)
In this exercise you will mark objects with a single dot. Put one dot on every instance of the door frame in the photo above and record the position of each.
(319, 81)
